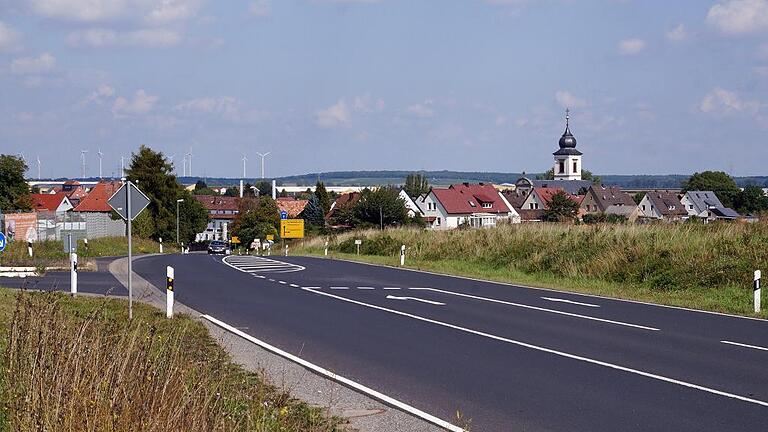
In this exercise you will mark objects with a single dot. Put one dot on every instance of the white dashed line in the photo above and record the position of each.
(366, 288)
(271, 280)
(312, 288)
(295, 286)
(339, 288)
(391, 288)
(282, 282)
(744, 345)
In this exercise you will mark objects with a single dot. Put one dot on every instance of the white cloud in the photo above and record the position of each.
(101, 93)
(721, 101)
(333, 116)
(102, 38)
(567, 99)
(423, 110)
(33, 65)
(142, 103)
(100, 11)
(631, 46)
(678, 34)
(8, 38)
(228, 108)
(260, 8)
(739, 16)
(367, 104)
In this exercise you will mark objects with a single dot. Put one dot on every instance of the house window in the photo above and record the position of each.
(690, 207)
(487, 205)
(438, 221)
(574, 167)
(471, 203)
(562, 167)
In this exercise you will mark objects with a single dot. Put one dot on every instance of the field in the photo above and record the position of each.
(50, 254)
(691, 265)
(78, 364)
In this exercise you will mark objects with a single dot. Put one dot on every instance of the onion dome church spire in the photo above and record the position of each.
(567, 158)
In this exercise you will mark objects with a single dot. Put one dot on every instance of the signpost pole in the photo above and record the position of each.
(130, 254)
(757, 291)
(402, 255)
(326, 248)
(169, 292)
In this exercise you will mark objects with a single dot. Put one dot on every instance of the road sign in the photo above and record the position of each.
(235, 240)
(358, 242)
(283, 215)
(119, 201)
(292, 228)
(2, 242)
(270, 237)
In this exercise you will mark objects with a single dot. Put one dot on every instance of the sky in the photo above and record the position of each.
(654, 86)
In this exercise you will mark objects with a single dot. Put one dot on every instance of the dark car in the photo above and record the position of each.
(218, 247)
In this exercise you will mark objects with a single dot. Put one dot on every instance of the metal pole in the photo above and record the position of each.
(130, 254)
(177, 222)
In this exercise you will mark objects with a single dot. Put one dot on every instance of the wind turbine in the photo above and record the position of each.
(189, 155)
(263, 155)
(170, 159)
(122, 166)
(100, 155)
(185, 166)
(38, 167)
(245, 159)
(82, 158)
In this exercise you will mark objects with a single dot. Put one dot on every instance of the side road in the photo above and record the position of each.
(364, 414)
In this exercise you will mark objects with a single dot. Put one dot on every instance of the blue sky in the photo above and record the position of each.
(479, 85)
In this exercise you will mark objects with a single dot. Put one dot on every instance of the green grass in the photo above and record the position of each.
(51, 253)
(78, 364)
(706, 267)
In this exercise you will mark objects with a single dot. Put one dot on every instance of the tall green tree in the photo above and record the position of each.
(416, 185)
(718, 182)
(313, 213)
(14, 191)
(322, 197)
(153, 174)
(264, 187)
(381, 207)
(751, 200)
(561, 208)
(587, 175)
(256, 219)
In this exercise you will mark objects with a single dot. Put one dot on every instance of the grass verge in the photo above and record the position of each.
(78, 364)
(692, 266)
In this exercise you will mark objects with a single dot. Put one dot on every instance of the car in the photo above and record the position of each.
(218, 247)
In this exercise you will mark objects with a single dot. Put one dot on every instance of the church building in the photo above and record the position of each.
(567, 158)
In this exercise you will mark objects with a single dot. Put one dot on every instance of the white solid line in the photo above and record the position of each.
(553, 299)
(391, 288)
(339, 288)
(365, 288)
(391, 297)
(745, 345)
(312, 288)
(551, 351)
(553, 290)
(294, 285)
(539, 309)
(340, 379)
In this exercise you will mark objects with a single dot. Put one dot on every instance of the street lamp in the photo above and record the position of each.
(177, 219)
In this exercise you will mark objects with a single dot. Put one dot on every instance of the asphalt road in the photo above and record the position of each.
(508, 358)
(92, 282)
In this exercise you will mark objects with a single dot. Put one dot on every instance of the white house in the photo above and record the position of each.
(662, 205)
(410, 205)
(477, 205)
(705, 205)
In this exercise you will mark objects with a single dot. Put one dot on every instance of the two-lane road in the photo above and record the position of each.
(509, 358)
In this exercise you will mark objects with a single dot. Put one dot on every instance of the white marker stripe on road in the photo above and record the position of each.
(282, 282)
(552, 351)
(338, 378)
(553, 299)
(365, 288)
(745, 345)
(391, 297)
(339, 288)
(539, 309)
(391, 288)
(294, 285)
(313, 288)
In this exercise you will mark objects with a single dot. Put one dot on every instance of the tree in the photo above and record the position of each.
(416, 185)
(638, 197)
(381, 207)
(264, 187)
(716, 181)
(313, 213)
(587, 175)
(256, 219)
(549, 175)
(153, 174)
(232, 192)
(751, 200)
(561, 208)
(14, 191)
(201, 185)
(322, 197)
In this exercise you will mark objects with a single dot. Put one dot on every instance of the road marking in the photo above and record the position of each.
(339, 288)
(553, 299)
(271, 280)
(282, 282)
(745, 345)
(311, 288)
(552, 351)
(365, 288)
(539, 309)
(338, 378)
(391, 297)
(391, 288)
(254, 264)
(295, 286)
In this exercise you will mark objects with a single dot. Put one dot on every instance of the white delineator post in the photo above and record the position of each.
(161, 244)
(286, 250)
(326, 248)
(402, 255)
(757, 291)
(29, 249)
(73, 273)
(169, 292)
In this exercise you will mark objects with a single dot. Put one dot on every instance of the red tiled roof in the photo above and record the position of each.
(47, 202)
(216, 202)
(546, 194)
(96, 200)
(467, 198)
(343, 200)
(291, 206)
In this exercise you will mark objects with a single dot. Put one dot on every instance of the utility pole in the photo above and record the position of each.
(263, 155)
(82, 158)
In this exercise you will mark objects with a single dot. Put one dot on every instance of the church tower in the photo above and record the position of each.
(567, 158)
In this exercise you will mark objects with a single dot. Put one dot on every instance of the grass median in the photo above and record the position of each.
(706, 267)
(79, 365)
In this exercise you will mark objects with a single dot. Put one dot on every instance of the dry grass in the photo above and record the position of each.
(78, 365)
(712, 264)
